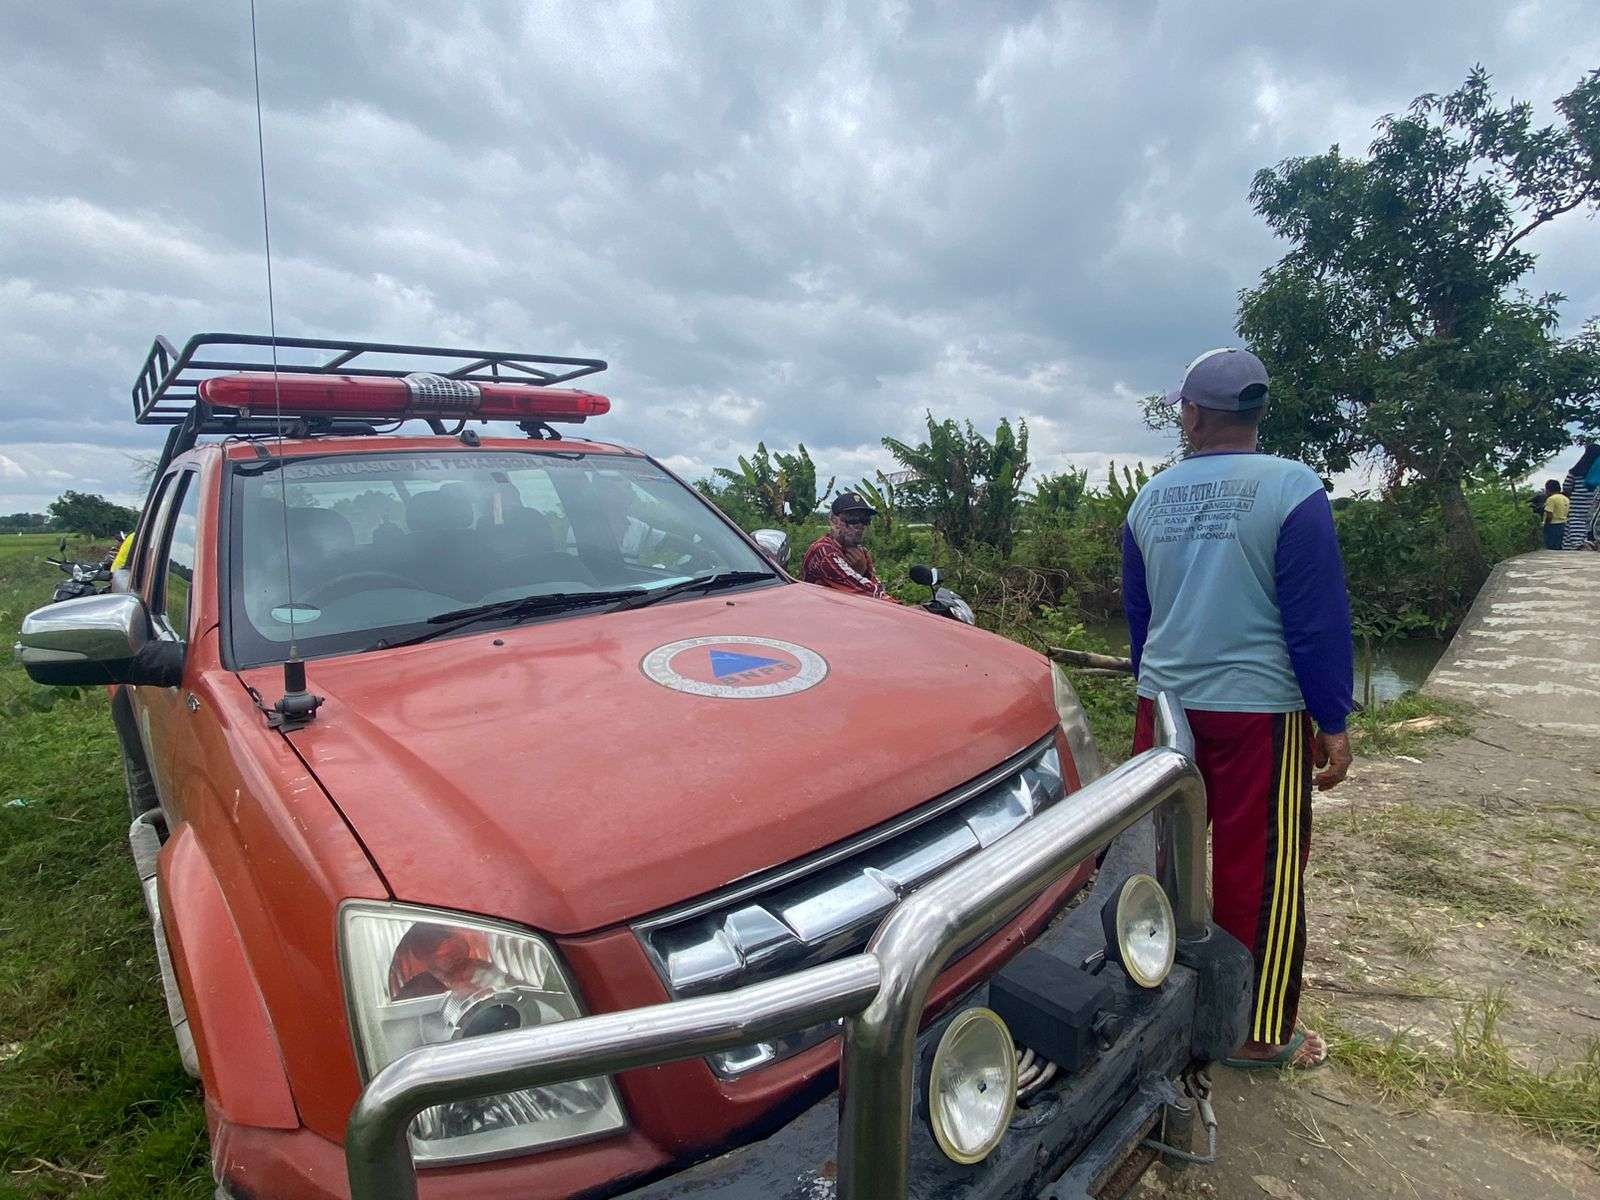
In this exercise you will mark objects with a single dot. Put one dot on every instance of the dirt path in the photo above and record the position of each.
(1456, 960)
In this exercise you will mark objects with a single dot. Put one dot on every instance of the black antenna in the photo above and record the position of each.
(296, 706)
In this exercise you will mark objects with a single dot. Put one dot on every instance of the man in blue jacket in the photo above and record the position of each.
(1235, 597)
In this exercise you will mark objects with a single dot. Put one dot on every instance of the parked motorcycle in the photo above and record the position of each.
(945, 603)
(86, 578)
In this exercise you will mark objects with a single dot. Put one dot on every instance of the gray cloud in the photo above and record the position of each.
(781, 222)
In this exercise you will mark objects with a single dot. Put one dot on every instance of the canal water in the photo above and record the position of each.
(1398, 667)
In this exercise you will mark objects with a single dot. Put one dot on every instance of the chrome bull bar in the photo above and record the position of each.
(881, 993)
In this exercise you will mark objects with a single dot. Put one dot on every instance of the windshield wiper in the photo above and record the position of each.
(515, 609)
(703, 583)
(529, 606)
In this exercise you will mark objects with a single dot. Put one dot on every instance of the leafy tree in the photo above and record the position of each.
(781, 487)
(1394, 329)
(368, 509)
(1395, 556)
(82, 512)
(972, 487)
(24, 523)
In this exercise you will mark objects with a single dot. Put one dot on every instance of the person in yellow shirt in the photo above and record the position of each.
(124, 552)
(1556, 508)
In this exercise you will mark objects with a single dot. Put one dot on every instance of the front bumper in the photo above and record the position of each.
(1072, 1137)
(881, 994)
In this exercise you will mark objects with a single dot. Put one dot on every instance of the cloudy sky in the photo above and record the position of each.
(790, 221)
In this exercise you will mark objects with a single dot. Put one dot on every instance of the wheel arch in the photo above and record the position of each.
(241, 1062)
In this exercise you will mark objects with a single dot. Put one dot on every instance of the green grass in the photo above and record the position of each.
(1560, 1100)
(95, 1102)
(1375, 731)
(1542, 944)
(1109, 704)
(1415, 851)
(1413, 940)
(1469, 890)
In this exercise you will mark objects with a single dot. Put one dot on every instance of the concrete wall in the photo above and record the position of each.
(1530, 647)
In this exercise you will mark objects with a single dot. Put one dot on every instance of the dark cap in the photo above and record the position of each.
(851, 502)
(1228, 378)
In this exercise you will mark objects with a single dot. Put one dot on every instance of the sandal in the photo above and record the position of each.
(1284, 1058)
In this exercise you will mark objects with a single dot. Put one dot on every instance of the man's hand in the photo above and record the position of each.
(1331, 754)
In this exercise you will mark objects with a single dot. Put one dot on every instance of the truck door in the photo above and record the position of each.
(166, 572)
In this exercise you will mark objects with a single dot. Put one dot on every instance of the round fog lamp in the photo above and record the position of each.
(1140, 932)
(972, 1086)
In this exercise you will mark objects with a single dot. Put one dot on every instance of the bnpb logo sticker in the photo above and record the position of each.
(735, 667)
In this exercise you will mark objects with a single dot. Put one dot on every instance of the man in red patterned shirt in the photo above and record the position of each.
(837, 559)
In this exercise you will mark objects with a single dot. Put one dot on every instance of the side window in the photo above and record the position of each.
(178, 571)
(143, 556)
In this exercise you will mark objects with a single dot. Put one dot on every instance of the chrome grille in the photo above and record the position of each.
(827, 906)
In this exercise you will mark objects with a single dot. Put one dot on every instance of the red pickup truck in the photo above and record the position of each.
(513, 824)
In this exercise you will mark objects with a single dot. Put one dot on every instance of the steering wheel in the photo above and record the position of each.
(544, 566)
(356, 581)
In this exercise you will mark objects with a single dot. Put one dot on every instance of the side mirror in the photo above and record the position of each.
(96, 639)
(776, 544)
(926, 576)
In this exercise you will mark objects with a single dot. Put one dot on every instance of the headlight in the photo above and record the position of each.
(972, 1087)
(415, 977)
(959, 608)
(1140, 931)
(1075, 724)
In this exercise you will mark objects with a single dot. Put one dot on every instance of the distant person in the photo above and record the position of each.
(119, 561)
(1236, 603)
(1582, 488)
(1556, 508)
(838, 559)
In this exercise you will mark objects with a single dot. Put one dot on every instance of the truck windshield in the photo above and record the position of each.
(379, 543)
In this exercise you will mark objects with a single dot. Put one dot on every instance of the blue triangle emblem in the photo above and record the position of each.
(726, 662)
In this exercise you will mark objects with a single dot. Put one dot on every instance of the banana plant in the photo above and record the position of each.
(797, 476)
(1123, 491)
(973, 486)
(781, 487)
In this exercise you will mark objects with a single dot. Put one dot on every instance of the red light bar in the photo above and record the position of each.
(261, 394)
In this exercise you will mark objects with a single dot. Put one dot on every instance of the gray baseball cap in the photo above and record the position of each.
(1227, 378)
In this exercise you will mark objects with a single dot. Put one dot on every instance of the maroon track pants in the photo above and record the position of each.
(1257, 768)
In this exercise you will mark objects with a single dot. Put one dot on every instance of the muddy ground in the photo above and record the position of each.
(1458, 882)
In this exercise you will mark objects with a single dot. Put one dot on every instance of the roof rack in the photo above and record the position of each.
(167, 389)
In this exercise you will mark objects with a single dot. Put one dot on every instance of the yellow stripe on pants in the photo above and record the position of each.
(1273, 920)
(1286, 968)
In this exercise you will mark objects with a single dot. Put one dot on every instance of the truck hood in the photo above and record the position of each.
(540, 775)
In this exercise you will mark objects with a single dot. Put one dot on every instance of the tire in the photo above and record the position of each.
(140, 787)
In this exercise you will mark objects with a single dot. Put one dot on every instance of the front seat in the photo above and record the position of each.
(322, 542)
(448, 560)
